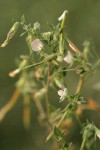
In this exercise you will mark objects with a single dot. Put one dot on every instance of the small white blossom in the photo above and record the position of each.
(37, 45)
(62, 16)
(62, 93)
(68, 58)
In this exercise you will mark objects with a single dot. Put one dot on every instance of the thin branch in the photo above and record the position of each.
(10, 104)
(47, 86)
(49, 58)
(80, 84)
(26, 111)
(58, 124)
(39, 107)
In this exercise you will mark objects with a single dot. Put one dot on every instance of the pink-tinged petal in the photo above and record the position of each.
(68, 58)
(37, 45)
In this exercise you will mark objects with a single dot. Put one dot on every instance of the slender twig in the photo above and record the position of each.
(83, 144)
(80, 84)
(59, 123)
(66, 70)
(26, 111)
(47, 86)
(60, 71)
(10, 104)
(40, 108)
(49, 58)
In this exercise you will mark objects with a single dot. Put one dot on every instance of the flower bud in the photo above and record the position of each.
(14, 73)
(63, 15)
(60, 59)
(36, 26)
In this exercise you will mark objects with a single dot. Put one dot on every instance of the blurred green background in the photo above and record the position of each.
(83, 22)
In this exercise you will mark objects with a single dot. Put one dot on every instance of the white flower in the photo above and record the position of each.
(68, 58)
(37, 45)
(62, 93)
(62, 16)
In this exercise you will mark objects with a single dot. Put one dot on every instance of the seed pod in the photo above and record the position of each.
(13, 30)
(10, 34)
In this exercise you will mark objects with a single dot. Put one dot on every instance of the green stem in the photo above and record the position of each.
(66, 70)
(49, 58)
(47, 86)
(61, 37)
(59, 71)
(62, 146)
(83, 144)
(59, 123)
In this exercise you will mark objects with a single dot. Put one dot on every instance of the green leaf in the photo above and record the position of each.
(67, 145)
(58, 133)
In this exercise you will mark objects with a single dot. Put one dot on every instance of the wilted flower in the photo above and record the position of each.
(37, 45)
(62, 93)
(68, 58)
(14, 73)
(62, 16)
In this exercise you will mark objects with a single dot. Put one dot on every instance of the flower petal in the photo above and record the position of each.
(62, 93)
(37, 45)
(68, 58)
